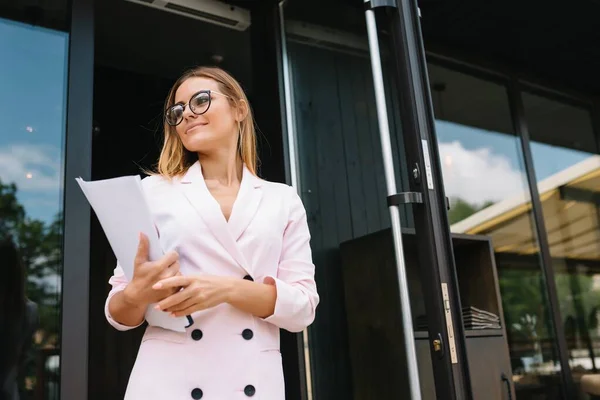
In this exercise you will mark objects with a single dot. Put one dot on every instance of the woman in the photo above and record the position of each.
(241, 263)
(18, 321)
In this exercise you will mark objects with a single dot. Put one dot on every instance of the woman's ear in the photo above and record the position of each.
(242, 111)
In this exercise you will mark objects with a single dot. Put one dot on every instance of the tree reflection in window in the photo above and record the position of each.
(39, 246)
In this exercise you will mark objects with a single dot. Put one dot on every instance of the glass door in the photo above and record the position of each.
(389, 323)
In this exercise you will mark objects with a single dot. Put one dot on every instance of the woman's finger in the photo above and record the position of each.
(173, 300)
(192, 301)
(172, 270)
(172, 282)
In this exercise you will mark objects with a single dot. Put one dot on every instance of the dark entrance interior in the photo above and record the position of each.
(139, 53)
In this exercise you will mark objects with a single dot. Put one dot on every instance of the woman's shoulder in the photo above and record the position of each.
(277, 187)
(282, 191)
(156, 182)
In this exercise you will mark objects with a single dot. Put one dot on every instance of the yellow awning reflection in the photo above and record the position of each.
(570, 203)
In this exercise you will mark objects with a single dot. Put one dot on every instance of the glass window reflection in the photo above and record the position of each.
(33, 68)
(484, 177)
(567, 166)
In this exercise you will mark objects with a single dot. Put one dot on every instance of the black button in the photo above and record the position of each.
(196, 334)
(249, 390)
(249, 278)
(247, 334)
(197, 394)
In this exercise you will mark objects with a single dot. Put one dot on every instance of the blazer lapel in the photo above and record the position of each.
(194, 188)
(246, 204)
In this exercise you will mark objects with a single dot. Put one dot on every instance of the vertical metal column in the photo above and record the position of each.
(294, 168)
(76, 242)
(388, 164)
(518, 111)
(434, 245)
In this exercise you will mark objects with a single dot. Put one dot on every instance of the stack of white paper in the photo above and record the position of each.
(123, 212)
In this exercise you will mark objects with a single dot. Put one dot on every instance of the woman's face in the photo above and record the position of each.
(216, 129)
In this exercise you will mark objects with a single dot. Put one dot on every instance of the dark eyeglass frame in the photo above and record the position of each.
(183, 106)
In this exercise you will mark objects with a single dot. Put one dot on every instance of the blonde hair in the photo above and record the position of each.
(175, 159)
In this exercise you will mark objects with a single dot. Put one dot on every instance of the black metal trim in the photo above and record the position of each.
(76, 241)
(471, 61)
(404, 198)
(537, 90)
(467, 69)
(431, 223)
(521, 129)
(595, 114)
(462, 375)
(498, 77)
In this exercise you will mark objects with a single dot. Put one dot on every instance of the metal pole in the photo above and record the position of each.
(289, 104)
(388, 164)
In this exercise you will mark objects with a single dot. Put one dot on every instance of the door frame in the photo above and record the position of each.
(266, 51)
(439, 279)
(76, 236)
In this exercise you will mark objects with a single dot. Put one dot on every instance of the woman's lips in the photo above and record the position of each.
(194, 126)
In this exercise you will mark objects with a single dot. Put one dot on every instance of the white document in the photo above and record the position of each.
(123, 212)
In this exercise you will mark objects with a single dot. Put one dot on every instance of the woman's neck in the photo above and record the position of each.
(225, 168)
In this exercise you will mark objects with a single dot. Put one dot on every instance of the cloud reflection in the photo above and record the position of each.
(479, 175)
(31, 167)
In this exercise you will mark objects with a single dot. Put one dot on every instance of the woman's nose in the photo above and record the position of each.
(187, 113)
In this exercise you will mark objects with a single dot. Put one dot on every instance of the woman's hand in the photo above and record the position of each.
(198, 293)
(139, 291)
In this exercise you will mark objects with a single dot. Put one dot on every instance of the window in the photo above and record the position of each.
(484, 177)
(33, 68)
(567, 167)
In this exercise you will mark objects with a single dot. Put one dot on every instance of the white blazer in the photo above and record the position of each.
(226, 353)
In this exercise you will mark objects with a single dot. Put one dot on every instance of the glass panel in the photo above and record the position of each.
(484, 178)
(567, 166)
(32, 111)
(342, 184)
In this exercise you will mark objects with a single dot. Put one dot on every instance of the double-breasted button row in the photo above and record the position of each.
(246, 334)
(249, 391)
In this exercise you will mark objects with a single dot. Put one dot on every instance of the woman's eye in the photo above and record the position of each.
(201, 100)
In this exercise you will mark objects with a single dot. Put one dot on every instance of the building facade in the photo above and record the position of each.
(490, 113)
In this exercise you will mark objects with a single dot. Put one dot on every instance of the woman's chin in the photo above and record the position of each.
(204, 147)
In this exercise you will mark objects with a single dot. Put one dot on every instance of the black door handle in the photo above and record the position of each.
(505, 379)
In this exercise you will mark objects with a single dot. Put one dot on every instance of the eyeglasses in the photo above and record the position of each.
(199, 104)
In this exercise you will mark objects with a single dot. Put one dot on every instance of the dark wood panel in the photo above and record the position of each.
(343, 189)
(488, 362)
(376, 167)
(370, 153)
(353, 119)
(378, 358)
